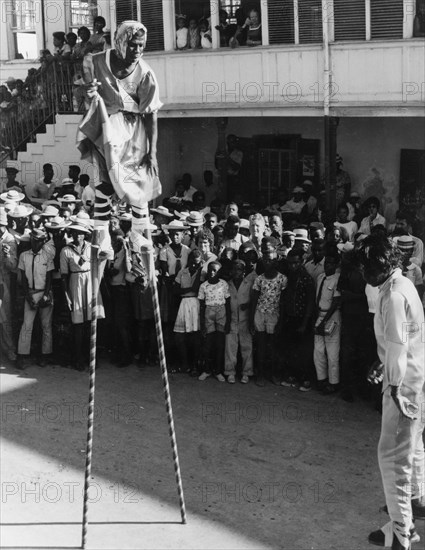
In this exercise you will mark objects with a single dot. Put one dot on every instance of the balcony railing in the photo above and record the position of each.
(48, 91)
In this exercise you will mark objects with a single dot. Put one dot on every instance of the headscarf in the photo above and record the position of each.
(124, 34)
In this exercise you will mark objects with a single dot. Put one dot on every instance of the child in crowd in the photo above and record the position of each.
(328, 325)
(240, 288)
(211, 220)
(214, 298)
(297, 324)
(182, 33)
(265, 308)
(187, 326)
(194, 40)
(350, 227)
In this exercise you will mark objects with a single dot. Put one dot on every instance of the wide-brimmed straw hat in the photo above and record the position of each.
(195, 219)
(50, 210)
(176, 225)
(78, 226)
(69, 198)
(20, 211)
(301, 235)
(163, 211)
(83, 218)
(39, 234)
(12, 196)
(57, 223)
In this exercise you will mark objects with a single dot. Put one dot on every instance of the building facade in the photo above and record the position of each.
(330, 76)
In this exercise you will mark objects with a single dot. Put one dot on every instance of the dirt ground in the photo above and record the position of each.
(262, 467)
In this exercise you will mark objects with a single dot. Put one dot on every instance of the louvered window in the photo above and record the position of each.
(386, 19)
(310, 21)
(151, 12)
(350, 19)
(281, 21)
(126, 10)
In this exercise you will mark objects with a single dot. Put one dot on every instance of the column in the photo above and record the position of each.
(330, 127)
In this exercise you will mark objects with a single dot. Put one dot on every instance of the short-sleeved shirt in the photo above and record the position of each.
(36, 267)
(186, 280)
(270, 291)
(214, 295)
(327, 291)
(168, 255)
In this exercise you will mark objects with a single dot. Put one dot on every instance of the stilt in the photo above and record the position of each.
(92, 376)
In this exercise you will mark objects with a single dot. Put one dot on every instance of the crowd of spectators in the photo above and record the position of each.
(247, 291)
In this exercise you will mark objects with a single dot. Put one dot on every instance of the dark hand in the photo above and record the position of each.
(91, 89)
(376, 373)
(151, 164)
(407, 408)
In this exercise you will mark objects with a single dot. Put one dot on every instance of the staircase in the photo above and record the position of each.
(57, 146)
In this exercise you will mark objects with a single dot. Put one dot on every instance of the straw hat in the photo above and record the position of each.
(163, 211)
(301, 235)
(176, 225)
(50, 211)
(243, 223)
(21, 211)
(12, 196)
(288, 234)
(68, 199)
(83, 218)
(297, 189)
(81, 227)
(195, 219)
(307, 182)
(182, 215)
(56, 223)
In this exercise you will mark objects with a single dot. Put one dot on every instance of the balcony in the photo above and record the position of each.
(379, 78)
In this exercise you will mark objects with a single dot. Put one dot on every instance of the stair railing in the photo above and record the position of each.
(52, 89)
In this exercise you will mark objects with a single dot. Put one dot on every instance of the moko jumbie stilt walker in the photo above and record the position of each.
(119, 136)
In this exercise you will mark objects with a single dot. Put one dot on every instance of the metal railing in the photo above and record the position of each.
(55, 88)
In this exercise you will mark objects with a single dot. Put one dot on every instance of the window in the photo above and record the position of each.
(23, 28)
(151, 17)
(230, 6)
(350, 20)
(126, 10)
(386, 19)
(277, 170)
(82, 14)
(310, 21)
(281, 21)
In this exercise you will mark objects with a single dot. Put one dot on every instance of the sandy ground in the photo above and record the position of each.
(262, 467)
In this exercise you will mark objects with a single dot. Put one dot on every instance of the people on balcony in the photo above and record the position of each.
(182, 33)
(83, 47)
(194, 38)
(205, 33)
(97, 39)
(419, 21)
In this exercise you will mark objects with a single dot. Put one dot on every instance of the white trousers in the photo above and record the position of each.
(401, 460)
(241, 337)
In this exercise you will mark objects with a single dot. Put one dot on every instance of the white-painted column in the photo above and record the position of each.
(368, 23)
(39, 27)
(215, 20)
(168, 17)
(331, 21)
(5, 31)
(409, 11)
(296, 23)
(104, 9)
(112, 19)
(264, 23)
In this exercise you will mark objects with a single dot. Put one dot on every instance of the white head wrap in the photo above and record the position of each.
(124, 34)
